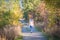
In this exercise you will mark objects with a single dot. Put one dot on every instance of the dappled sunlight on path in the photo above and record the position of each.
(35, 35)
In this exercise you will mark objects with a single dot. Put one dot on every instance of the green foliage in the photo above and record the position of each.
(53, 27)
(10, 12)
(29, 5)
(19, 38)
(55, 3)
(52, 6)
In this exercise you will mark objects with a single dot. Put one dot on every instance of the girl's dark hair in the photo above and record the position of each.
(30, 12)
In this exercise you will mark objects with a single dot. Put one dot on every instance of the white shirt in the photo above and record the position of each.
(31, 22)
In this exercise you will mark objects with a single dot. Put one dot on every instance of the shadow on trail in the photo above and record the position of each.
(35, 35)
(34, 38)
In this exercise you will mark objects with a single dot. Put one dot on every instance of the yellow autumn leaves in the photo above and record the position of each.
(10, 12)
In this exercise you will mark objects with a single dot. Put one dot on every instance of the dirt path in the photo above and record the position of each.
(35, 35)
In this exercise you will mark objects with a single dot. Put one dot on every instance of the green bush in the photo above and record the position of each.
(19, 38)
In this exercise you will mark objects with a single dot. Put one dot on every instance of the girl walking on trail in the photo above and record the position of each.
(31, 24)
(31, 21)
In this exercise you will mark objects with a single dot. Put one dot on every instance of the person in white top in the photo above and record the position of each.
(31, 21)
(31, 24)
